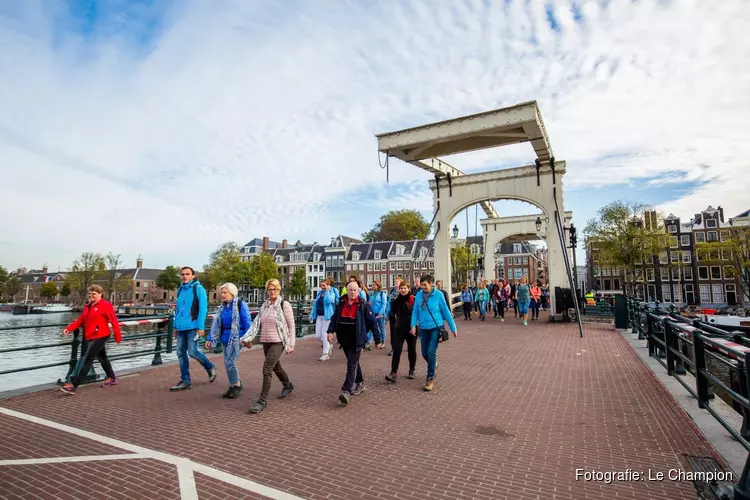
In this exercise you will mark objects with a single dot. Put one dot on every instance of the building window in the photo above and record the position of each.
(723, 235)
(729, 272)
(606, 271)
(407, 265)
(650, 274)
(685, 240)
(432, 264)
(517, 248)
(525, 261)
(673, 242)
(616, 271)
(666, 295)
(674, 257)
(705, 291)
(672, 228)
(377, 254)
(677, 293)
(369, 266)
(517, 273)
(687, 273)
(615, 284)
(663, 259)
(702, 273)
(423, 251)
(400, 249)
(689, 293)
(399, 266)
(377, 266)
(675, 274)
(664, 274)
(686, 258)
(712, 236)
(607, 284)
(715, 272)
(348, 267)
(355, 255)
(279, 259)
(718, 294)
(710, 222)
(393, 266)
(700, 237)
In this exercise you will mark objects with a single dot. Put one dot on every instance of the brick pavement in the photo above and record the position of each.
(515, 411)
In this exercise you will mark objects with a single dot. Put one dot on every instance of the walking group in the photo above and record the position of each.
(354, 319)
(501, 295)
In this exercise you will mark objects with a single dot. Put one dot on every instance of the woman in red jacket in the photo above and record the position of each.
(96, 317)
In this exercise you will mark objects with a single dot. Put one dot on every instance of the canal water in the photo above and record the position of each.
(41, 335)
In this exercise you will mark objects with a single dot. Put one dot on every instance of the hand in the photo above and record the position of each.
(330, 337)
(291, 350)
(208, 344)
(455, 334)
(413, 331)
(379, 316)
(201, 333)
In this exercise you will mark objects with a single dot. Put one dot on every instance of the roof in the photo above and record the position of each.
(506, 248)
(362, 248)
(746, 213)
(258, 242)
(408, 247)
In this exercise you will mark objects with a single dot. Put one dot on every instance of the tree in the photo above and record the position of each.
(112, 276)
(262, 269)
(462, 261)
(732, 252)
(298, 243)
(226, 266)
(169, 279)
(399, 225)
(298, 283)
(621, 238)
(65, 291)
(12, 287)
(3, 279)
(48, 290)
(85, 269)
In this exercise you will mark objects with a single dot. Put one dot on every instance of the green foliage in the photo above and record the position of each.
(462, 261)
(733, 253)
(169, 279)
(65, 290)
(48, 290)
(399, 225)
(226, 266)
(12, 287)
(619, 238)
(262, 269)
(298, 283)
(110, 273)
(85, 270)
(3, 279)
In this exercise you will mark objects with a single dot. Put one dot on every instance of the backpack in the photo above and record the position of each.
(239, 305)
(195, 307)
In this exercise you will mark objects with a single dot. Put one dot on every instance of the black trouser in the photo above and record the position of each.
(467, 310)
(501, 308)
(353, 370)
(397, 343)
(96, 350)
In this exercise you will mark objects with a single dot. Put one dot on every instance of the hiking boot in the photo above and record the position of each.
(212, 375)
(344, 397)
(68, 389)
(258, 407)
(236, 390)
(391, 377)
(411, 374)
(358, 389)
(429, 384)
(180, 387)
(287, 390)
(109, 382)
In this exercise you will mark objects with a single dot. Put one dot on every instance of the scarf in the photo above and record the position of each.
(281, 325)
(232, 348)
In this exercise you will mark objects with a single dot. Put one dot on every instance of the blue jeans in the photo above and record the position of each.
(381, 324)
(187, 346)
(482, 307)
(232, 373)
(428, 339)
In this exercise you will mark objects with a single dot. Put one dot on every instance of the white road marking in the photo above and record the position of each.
(157, 455)
(59, 460)
(188, 490)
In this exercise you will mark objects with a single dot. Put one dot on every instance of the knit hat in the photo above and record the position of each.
(231, 288)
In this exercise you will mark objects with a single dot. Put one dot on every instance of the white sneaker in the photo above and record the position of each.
(324, 357)
(502, 320)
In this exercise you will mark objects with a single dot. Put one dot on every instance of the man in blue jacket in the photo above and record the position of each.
(189, 322)
(429, 314)
(351, 321)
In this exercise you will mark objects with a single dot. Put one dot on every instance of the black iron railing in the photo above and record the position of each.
(677, 342)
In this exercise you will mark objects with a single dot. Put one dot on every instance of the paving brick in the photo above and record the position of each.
(515, 411)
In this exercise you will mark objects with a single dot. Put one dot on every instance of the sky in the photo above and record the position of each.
(165, 128)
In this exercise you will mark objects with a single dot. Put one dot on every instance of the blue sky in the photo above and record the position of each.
(165, 128)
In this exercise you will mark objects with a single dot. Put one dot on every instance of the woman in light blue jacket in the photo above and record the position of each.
(378, 301)
(430, 314)
(483, 296)
(321, 312)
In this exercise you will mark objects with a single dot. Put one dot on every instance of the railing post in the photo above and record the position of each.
(742, 488)
(628, 313)
(650, 334)
(641, 309)
(668, 334)
(73, 362)
(743, 390)
(157, 349)
(298, 320)
(701, 381)
(170, 333)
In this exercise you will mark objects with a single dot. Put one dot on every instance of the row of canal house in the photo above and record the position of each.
(676, 274)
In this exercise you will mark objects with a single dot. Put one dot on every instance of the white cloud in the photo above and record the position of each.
(246, 121)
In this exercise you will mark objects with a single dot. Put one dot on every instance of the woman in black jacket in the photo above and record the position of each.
(400, 310)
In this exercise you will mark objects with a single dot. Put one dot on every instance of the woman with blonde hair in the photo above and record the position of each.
(523, 297)
(275, 324)
(231, 322)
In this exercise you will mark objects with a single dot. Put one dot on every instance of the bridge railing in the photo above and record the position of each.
(677, 342)
(163, 336)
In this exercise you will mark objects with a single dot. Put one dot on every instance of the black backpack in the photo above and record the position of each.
(195, 308)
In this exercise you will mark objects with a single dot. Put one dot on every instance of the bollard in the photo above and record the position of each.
(157, 349)
(73, 362)
(170, 334)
